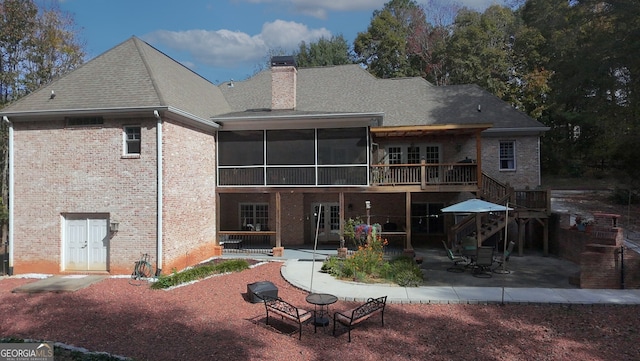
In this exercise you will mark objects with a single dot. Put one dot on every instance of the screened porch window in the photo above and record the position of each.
(293, 157)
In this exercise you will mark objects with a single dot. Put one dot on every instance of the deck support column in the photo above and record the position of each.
(408, 247)
(278, 220)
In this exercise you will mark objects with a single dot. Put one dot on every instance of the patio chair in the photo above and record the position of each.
(456, 259)
(484, 261)
(499, 260)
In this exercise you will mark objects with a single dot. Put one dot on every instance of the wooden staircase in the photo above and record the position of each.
(526, 204)
(485, 224)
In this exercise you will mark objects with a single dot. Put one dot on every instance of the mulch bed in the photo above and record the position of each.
(212, 319)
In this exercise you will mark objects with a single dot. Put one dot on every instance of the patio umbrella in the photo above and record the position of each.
(475, 206)
(480, 206)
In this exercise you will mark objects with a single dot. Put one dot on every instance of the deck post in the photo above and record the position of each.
(278, 220)
(408, 246)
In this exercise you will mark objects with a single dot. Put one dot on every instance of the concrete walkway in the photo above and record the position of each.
(298, 273)
(300, 270)
(299, 266)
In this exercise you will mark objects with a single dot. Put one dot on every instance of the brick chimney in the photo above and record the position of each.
(283, 82)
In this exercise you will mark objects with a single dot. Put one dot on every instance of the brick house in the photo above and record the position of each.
(134, 153)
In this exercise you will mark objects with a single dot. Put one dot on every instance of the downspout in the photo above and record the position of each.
(159, 191)
(10, 205)
(539, 162)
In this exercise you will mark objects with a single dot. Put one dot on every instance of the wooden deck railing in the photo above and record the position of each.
(380, 175)
(429, 174)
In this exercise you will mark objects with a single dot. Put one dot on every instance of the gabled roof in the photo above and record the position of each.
(404, 101)
(131, 76)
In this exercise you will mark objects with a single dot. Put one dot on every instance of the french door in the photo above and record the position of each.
(326, 220)
(86, 243)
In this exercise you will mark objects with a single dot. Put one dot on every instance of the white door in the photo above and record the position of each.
(329, 225)
(86, 244)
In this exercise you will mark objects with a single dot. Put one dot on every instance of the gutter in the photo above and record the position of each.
(514, 131)
(160, 206)
(186, 117)
(11, 195)
(299, 116)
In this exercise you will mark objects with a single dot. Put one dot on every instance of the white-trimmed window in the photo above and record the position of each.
(254, 216)
(507, 155)
(132, 138)
(413, 154)
(395, 155)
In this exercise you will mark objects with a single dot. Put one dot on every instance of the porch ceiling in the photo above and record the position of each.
(422, 130)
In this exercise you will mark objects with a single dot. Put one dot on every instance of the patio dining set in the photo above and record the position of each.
(481, 261)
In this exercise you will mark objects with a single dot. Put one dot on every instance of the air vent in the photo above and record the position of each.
(84, 121)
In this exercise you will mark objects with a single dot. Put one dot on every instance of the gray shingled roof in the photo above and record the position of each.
(131, 75)
(404, 101)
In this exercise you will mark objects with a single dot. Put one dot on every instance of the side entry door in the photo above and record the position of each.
(86, 244)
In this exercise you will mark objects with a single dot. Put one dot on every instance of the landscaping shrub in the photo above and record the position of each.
(200, 272)
(367, 264)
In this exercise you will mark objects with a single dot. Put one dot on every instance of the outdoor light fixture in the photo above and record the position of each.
(367, 204)
(113, 226)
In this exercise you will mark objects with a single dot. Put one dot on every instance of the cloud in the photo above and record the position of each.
(320, 8)
(289, 34)
(228, 49)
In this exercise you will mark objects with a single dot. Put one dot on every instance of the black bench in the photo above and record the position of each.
(286, 310)
(355, 316)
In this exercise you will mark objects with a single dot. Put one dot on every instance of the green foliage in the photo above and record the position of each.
(324, 52)
(591, 50)
(36, 46)
(625, 196)
(350, 230)
(383, 47)
(405, 273)
(368, 265)
(200, 272)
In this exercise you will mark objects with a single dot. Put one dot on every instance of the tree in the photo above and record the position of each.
(324, 52)
(591, 49)
(383, 48)
(36, 46)
(428, 39)
(480, 49)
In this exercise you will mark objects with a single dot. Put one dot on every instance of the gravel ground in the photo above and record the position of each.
(212, 320)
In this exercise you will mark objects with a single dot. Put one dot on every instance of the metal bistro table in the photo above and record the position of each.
(321, 302)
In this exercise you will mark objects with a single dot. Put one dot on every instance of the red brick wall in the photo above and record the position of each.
(188, 196)
(527, 173)
(598, 255)
(570, 243)
(61, 170)
(295, 218)
(283, 87)
(601, 267)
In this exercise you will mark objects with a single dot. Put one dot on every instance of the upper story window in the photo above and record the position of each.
(413, 154)
(507, 155)
(132, 138)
